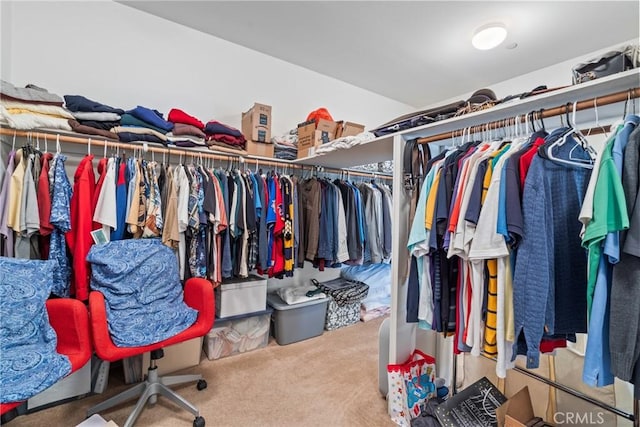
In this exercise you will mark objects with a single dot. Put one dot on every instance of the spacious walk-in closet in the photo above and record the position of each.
(308, 213)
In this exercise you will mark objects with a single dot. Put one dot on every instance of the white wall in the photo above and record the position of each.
(124, 57)
(556, 75)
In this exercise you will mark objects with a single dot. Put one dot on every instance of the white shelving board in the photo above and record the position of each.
(381, 149)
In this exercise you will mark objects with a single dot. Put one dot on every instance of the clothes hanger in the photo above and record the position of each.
(58, 149)
(595, 110)
(580, 140)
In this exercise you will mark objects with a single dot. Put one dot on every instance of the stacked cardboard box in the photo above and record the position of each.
(256, 128)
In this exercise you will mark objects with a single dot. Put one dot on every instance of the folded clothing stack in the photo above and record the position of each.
(345, 142)
(187, 130)
(220, 134)
(144, 124)
(285, 147)
(92, 117)
(32, 107)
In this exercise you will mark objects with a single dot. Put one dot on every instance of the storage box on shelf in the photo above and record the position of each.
(348, 129)
(310, 136)
(238, 334)
(241, 296)
(256, 123)
(256, 128)
(297, 322)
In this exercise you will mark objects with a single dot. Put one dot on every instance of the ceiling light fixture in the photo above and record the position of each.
(489, 36)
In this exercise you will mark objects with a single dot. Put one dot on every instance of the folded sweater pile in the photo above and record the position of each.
(219, 133)
(92, 117)
(144, 124)
(32, 107)
(187, 130)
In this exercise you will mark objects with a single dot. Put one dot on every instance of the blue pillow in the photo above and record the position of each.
(29, 362)
(144, 300)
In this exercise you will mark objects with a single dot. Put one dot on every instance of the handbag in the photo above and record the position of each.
(411, 384)
(612, 62)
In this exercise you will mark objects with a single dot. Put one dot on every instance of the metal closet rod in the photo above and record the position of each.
(53, 136)
(586, 104)
(573, 392)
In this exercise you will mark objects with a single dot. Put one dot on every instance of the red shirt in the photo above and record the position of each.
(526, 159)
(79, 237)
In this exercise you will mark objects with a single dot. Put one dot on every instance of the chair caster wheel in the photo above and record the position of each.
(202, 384)
(198, 422)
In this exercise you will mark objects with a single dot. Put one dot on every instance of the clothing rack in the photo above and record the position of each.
(623, 96)
(195, 153)
(538, 114)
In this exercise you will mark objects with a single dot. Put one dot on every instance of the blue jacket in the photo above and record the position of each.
(549, 283)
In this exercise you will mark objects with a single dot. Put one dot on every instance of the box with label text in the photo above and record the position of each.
(256, 123)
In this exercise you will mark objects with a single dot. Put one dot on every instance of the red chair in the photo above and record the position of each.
(198, 294)
(70, 319)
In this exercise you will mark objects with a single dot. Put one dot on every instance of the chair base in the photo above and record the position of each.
(148, 391)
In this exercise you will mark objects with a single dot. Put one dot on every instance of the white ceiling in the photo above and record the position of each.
(415, 52)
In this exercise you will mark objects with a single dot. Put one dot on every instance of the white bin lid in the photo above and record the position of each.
(276, 302)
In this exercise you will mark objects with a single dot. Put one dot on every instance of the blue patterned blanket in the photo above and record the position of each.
(140, 282)
(29, 363)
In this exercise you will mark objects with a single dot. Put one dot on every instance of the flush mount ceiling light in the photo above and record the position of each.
(489, 36)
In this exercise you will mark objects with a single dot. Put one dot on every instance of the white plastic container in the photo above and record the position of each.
(238, 334)
(235, 297)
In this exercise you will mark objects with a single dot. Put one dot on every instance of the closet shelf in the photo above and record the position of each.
(381, 149)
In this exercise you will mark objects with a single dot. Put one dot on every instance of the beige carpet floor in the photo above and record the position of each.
(331, 380)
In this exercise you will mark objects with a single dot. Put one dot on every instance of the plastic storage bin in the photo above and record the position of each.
(241, 296)
(238, 334)
(297, 322)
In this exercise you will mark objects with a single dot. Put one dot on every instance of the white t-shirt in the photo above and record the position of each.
(106, 212)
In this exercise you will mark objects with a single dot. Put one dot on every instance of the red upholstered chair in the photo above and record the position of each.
(70, 319)
(198, 294)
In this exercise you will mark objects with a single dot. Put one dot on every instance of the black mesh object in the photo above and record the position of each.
(343, 291)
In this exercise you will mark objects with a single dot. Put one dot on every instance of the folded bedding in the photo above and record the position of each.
(30, 94)
(26, 120)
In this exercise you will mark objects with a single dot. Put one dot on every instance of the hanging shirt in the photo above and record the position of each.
(121, 202)
(105, 211)
(170, 231)
(183, 190)
(44, 196)
(61, 221)
(79, 236)
(550, 272)
(29, 217)
(16, 187)
(6, 234)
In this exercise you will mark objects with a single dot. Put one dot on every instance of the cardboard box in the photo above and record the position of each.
(259, 149)
(329, 127)
(256, 123)
(348, 129)
(518, 411)
(309, 137)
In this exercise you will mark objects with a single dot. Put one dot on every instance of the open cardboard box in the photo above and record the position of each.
(518, 411)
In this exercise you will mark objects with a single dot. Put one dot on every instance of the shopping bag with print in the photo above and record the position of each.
(411, 384)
